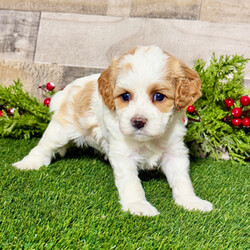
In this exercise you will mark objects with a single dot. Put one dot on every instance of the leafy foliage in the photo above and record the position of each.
(30, 117)
(220, 80)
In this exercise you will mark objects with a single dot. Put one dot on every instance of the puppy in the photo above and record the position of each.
(132, 113)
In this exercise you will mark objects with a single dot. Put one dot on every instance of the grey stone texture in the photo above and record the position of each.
(59, 41)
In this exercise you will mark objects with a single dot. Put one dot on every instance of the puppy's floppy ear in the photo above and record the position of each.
(187, 87)
(106, 85)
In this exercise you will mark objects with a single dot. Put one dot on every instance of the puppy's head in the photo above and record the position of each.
(144, 87)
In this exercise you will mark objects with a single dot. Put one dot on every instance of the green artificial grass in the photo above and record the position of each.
(73, 204)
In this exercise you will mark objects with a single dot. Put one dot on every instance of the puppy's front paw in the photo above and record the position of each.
(30, 163)
(143, 208)
(194, 203)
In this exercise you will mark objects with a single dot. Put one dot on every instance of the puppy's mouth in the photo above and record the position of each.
(141, 135)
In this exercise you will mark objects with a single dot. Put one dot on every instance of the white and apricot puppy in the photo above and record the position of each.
(132, 113)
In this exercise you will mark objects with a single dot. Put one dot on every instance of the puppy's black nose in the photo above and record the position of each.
(138, 122)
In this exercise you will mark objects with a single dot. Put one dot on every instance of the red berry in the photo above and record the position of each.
(245, 100)
(1, 113)
(11, 111)
(236, 112)
(246, 122)
(50, 86)
(190, 109)
(236, 122)
(229, 102)
(47, 102)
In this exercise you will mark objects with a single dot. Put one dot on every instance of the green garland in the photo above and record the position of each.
(30, 117)
(220, 80)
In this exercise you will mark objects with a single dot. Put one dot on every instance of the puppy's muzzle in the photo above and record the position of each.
(138, 122)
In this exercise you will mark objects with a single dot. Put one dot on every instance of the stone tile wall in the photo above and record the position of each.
(58, 41)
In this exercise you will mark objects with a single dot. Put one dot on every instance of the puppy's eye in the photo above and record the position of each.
(125, 97)
(158, 97)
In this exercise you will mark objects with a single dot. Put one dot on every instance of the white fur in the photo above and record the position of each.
(159, 144)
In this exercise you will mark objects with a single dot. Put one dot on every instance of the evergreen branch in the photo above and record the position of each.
(221, 79)
(30, 117)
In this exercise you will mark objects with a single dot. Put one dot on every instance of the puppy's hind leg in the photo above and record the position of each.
(55, 137)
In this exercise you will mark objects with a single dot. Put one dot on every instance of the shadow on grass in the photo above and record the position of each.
(148, 175)
(74, 152)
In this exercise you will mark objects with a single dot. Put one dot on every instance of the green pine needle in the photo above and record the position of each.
(220, 80)
(30, 117)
